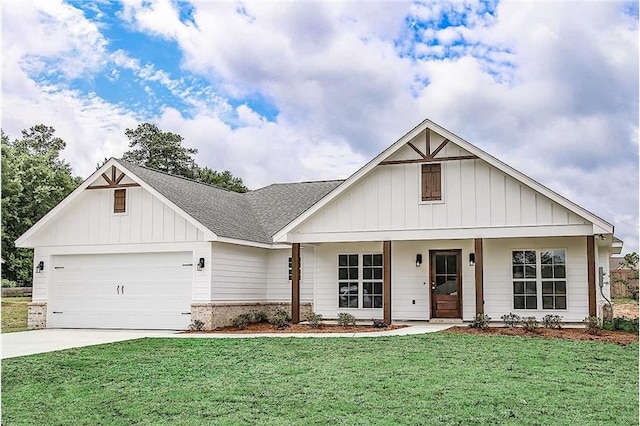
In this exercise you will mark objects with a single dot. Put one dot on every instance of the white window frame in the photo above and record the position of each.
(127, 201)
(443, 184)
(538, 280)
(360, 280)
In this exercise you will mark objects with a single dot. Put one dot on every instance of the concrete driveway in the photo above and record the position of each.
(39, 341)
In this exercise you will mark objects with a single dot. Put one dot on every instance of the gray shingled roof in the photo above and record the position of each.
(253, 216)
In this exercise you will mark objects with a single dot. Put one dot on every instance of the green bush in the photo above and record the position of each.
(8, 283)
(196, 325)
(315, 320)
(592, 325)
(280, 319)
(345, 319)
(511, 320)
(552, 321)
(242, 321)
(379, 323)
(530, 324)
(629, 325)
(481, 321)
(259, 316)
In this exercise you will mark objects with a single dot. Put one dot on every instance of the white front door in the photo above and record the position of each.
(128, 290)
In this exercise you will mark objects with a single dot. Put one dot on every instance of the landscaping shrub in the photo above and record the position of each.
(511, 320)
(481, 321)
(593, 325)
(629, 325)
(379, 323)
(196, 325)
(315, 320)
(259, 316)
(345, 319)
(242, 321)
(552, 321)
(8, 283)
(280, 319)
(530, 324)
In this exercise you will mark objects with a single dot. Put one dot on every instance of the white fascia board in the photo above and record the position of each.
(444, 233)
(22, 240)
(605, 226)
(280, 236)
(251, 243)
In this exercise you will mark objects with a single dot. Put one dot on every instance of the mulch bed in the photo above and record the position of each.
(605, 336)
(299, 328)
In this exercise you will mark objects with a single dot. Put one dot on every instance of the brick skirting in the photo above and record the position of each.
(216, 314)
(36, 315)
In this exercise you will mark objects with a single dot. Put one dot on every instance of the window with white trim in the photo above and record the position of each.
(539, 279)
(360, 281)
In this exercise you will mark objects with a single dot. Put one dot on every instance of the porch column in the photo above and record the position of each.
(479, 277)
(295, 283)
(591, 274)
(386, 278)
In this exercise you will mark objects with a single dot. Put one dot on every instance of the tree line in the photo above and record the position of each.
(35, 179)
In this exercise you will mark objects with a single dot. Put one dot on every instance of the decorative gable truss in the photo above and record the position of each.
(113, 182)
(429, 156)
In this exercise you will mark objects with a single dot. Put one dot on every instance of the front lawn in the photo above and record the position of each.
(427, 379)
(14, 314)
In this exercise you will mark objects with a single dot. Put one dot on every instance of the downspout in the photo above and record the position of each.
(601, 285)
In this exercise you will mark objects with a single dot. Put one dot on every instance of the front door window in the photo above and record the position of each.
(445, 284)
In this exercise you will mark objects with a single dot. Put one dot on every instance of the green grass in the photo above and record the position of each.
(14, 314)
(429, 379)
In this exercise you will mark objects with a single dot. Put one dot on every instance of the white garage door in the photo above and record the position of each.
(134, 291)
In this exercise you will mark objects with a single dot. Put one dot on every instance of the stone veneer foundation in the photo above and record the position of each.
(216, 314)
(37, 315)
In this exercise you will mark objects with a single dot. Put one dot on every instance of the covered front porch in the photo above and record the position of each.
(392, 280)
(438, 280)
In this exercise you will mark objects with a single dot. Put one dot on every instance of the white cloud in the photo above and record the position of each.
(550, 88)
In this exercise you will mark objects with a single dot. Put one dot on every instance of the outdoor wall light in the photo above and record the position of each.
(200, 266)
(418, 260)
(40, 267)
(472, 259)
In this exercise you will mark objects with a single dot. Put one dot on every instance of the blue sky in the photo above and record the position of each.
(550, 88)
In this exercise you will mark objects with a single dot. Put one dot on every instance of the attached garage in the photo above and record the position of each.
(128, 290)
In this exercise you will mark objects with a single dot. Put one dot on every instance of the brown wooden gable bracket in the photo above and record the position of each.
(429, 157)
(113, 182)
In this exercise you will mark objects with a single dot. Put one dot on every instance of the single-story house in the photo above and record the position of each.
(433, 228)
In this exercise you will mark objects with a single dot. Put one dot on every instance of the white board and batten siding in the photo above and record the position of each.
(475, 195)
(89, 220)
(498, 281)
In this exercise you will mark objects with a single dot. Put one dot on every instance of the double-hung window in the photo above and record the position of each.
(539, 279)
(360, 281)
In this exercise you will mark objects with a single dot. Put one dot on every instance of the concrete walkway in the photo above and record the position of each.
(49, 340)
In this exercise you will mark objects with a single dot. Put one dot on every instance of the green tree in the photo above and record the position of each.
(159, 150)
(34, 180)
(220, 179)
(163, 151)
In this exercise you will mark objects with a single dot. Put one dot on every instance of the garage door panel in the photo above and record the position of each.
(143, 290)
